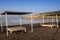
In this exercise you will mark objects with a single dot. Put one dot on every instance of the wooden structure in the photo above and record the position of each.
(1, 24)
(51, 15)
(42, 15)
(48, 25)
(11, 29)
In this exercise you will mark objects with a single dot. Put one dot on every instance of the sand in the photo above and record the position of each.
(40, 33)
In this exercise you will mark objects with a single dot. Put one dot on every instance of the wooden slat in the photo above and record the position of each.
(11, 29)
(48, 25)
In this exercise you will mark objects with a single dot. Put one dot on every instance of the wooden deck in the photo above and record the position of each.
(48, 25)
(11, 29)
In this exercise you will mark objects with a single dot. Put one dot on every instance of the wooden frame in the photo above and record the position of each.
(50, 25)
(14, 28)
(1, 23)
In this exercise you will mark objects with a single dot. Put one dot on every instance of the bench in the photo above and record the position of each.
(11, 29)
(48, 25)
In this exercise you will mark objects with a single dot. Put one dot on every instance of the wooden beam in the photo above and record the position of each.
(1, 24)
(31, 23)
(43, 19)
(57, 20)
(6, 23)
(20, 21)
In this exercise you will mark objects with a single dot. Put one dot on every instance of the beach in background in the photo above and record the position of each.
(14, 20)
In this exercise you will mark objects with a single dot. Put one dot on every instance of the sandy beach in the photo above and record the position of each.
(40, 33)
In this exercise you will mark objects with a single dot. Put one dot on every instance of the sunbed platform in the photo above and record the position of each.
(11, 29)
(48, 25)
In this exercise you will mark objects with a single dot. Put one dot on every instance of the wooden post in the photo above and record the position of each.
(31, 23)
(52, 23)
(6, 23)
(43, 19)
(20, 21)
(1, 24)
(57, 20)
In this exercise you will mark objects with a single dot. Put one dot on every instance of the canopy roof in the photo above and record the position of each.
(54, 13)
(15, 13)
(46, 15)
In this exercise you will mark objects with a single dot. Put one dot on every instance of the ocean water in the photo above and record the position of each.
(14, 20)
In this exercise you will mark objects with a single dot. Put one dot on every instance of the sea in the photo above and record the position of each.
(15, 20)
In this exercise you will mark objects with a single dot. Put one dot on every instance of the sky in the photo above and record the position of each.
(35, 6)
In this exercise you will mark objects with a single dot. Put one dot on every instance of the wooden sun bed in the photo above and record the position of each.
(11, 29)
(48, 25)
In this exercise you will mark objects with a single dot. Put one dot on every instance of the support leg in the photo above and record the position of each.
(11, 32)
(25, 30)
(7, 32)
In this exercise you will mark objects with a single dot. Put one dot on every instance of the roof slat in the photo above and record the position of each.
(15, 13)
